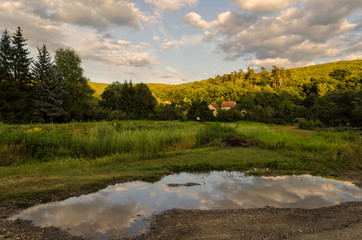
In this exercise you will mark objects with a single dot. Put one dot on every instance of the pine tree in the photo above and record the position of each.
(42, 68)
(48, 101)
(15, 89)
(5, 56)
(49, 89)
(20, 60)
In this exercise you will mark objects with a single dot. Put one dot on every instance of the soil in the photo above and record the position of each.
(338, 222)
(237, 141)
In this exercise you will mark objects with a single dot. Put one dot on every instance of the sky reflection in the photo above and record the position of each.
(120, 210)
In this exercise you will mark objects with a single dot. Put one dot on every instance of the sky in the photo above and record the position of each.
(179, 41)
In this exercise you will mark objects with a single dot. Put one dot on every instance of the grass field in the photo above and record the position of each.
(47, 162)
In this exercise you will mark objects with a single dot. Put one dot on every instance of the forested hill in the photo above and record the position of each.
(233, 85)
(323, 70)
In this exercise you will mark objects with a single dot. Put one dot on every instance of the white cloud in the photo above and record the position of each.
(298, 34)
(97, 14)
(196, 20)
(264, 6)
(171, 44)
(123, 42)
(353, 56)
(172, 5)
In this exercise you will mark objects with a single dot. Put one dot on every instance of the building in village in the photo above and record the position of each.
(226, 105)
(214, 107)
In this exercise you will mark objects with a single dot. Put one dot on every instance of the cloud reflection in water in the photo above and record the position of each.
(119, 210)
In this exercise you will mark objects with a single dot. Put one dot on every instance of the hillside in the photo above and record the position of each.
(233, 85)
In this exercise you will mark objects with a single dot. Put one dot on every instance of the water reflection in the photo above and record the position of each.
(119, 210)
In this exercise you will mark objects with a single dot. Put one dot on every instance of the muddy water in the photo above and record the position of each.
(120, 210)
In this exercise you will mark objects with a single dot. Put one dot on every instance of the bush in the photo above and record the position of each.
(309, 124)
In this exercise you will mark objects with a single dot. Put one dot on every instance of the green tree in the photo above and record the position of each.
(5, 56)
(145, 101)
(250, 76)
(49, 89)
(264, 77)
(16, 86)
(78, 102)
(275, 75)
(137, 102)
(20, 58)
(111, 96)
(200, 111)
(42, 68)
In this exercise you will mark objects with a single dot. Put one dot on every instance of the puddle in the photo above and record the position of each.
(120, 210)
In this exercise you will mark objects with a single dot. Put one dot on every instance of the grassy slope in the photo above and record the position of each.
(282, 150)
(301, 74)
(98, 88)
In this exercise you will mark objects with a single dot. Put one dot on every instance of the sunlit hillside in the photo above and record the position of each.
(164, 92)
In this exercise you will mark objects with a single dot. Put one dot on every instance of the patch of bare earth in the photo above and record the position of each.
(236, 141)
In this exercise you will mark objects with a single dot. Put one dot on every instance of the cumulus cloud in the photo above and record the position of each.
(262, 6)
(171, 44)
(36, 29)
(194, 19)
(298, 34)
(82, 25)
(172, 5)
(97, 14)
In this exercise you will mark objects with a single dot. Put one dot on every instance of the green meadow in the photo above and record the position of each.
(44, 162)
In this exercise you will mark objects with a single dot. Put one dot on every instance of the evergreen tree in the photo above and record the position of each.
(5, 56)
(49, 89)
(20, 60)
(48, 100)
(16, 88)
(42, 68)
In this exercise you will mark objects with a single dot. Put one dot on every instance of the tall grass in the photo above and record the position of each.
(213, 131)
(90, 140)
(337, 150)
(274, 139)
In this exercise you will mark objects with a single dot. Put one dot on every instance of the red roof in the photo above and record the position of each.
(228, 104)
(166, 102)
(214, 105)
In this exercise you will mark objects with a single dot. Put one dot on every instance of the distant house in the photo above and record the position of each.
(166, 102)
(228, 104)
(214, 107)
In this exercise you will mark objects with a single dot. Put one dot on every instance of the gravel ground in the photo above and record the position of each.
(338, 222)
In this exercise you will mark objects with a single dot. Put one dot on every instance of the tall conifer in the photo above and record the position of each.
(49, 89)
